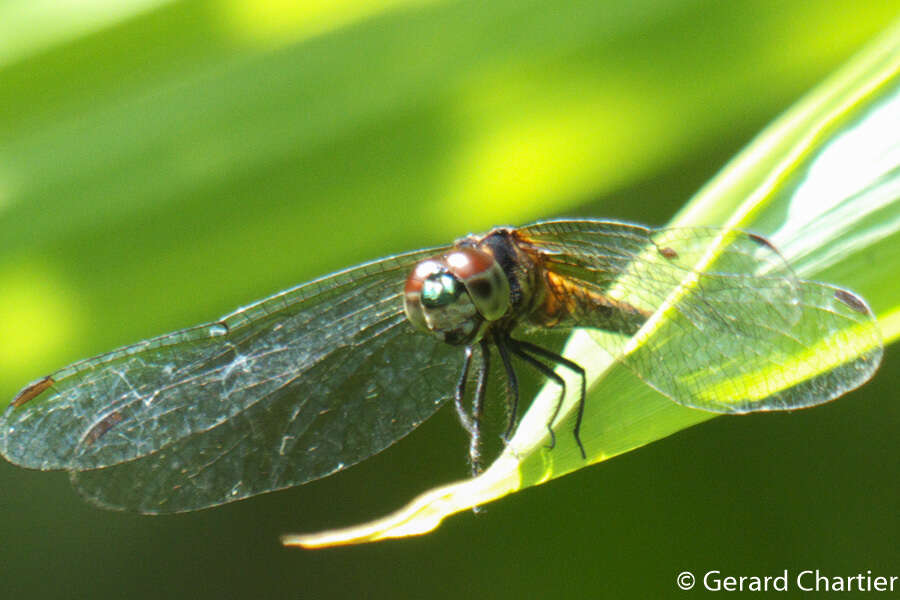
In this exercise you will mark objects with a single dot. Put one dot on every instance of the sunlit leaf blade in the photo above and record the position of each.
(425, 512)
(755, 192)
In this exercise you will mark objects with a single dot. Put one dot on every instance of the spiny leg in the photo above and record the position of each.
(501, 340)
(478, 410)
(550, 374)
(460, 393)
(555, 358)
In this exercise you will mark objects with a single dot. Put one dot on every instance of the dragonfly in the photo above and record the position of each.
(319, 377)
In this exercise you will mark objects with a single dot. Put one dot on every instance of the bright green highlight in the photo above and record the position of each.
(39, 315)
(30, 27)
(277, 22)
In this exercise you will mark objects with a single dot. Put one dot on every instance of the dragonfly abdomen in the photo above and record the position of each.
(567, 303)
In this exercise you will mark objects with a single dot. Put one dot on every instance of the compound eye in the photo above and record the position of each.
(483, 278)
(435, 300)
(440, 290)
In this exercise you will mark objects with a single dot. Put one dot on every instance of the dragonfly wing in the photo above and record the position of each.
(351, 404)
(733, 329)
(329, 370)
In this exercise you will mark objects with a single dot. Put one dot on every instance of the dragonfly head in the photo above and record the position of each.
(457, 295)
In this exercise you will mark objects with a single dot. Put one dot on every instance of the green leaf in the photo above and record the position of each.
(822, 183)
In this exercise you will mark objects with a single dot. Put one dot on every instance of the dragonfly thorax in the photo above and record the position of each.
(457, 295)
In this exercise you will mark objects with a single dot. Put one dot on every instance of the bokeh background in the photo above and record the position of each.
(162, 163)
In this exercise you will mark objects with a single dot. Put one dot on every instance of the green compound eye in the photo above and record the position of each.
(440, 289)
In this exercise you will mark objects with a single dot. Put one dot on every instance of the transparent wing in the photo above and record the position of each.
(732, 328)
(287, 390)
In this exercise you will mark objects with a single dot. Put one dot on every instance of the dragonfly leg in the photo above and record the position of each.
(513, 382)
(550, 374)
(522, 349)
(478, 410)
(460, 393)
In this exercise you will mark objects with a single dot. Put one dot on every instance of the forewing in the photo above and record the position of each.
(329, 371)
(733, 329)
(352, 403)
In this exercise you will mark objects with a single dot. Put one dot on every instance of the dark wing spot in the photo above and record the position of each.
(762, 241)
(668, 252)
(851, 300)
(101, 428)
(32, 391)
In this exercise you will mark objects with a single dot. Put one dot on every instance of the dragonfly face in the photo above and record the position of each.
(321, 376)
(456, 296)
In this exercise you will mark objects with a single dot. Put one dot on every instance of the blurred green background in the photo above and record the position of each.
(162, 163)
